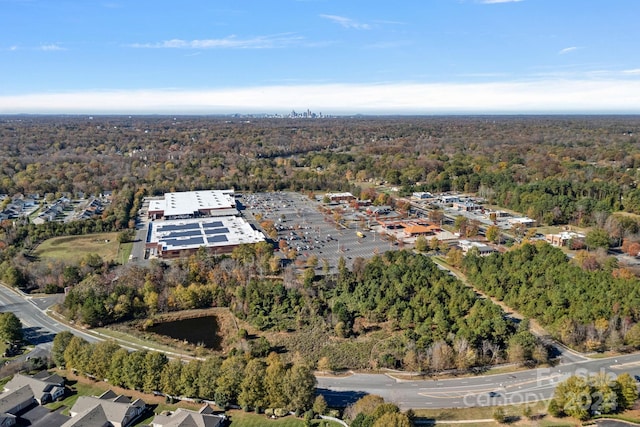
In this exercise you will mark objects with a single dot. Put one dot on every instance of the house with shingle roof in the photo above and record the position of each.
(14, 402)
(105, 410)
(205, 417)
(45, 388)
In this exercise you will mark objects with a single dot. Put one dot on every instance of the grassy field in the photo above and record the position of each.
(246, 419)
(513, 413)
(72, 248)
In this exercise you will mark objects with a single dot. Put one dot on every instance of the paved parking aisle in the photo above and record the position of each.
(302, 226)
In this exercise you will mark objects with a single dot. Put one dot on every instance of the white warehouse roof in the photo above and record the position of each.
(189, 203)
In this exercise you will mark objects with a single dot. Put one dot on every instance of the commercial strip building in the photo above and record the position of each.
(196, 219)
(340, 197)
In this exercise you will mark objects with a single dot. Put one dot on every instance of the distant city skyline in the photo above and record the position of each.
(329, 56)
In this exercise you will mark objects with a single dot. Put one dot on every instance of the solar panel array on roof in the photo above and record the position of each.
(217, 231)
(217, 238)
(171, 227)
(188, 234)
(184, 242)
(213, 224)
(185, 233)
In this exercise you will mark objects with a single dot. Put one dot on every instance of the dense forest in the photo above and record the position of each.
(590, 310)
(427, 319)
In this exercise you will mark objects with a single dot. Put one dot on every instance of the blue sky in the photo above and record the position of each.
(331, 56)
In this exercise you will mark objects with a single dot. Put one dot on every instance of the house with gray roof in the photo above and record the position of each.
(14, 402)
(46, 388)
(20, 402)
(205, 417)
(107, 410)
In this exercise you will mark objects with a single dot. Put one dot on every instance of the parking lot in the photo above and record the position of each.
(300, 223)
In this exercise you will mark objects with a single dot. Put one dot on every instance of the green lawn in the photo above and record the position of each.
(124, 251)
(78, 389)
(249, 419)
(72, 248)
(486, 413)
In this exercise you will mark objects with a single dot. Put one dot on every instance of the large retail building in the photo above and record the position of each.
(182, 223)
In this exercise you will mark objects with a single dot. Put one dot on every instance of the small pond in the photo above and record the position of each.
(197, 331)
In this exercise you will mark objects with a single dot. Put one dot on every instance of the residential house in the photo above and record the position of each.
(52, 211)
(13, 403)
(45, 388)
(108, 409)
(205, 417)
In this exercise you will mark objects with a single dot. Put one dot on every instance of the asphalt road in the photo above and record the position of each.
(483, 390)
(38, 327)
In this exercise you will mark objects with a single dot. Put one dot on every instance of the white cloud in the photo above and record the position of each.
(635, 71)
(567, 50)
(346, 22)
(230, 42)
(51, 47)
(548, 96)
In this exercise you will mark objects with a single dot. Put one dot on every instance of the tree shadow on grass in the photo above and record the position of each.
(340, 399)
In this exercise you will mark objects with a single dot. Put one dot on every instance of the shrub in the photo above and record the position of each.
(280, 412)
